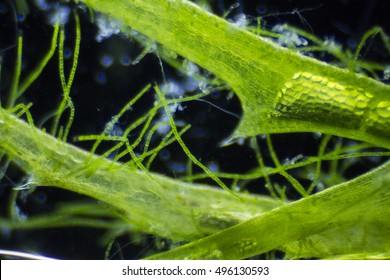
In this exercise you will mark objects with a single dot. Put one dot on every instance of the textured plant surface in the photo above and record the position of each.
(309, 207)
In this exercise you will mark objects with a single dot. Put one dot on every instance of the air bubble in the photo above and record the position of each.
(20, 17)
(190, 84)
(164, 155)
(106, 60)
(112, 128)
(213, 166)
(125, 60)
(241, 21)
(332, 45)
(320, 186)
(317, 135)
(261, 10)
(67, 53)
(164, 126)
(43, 5)
(230, 95)
(190, 68)
(172, 88)
(173, 108)
(216, 94)
(101, 78)
(116, 131)
(177, 167)
(20, 215)
(232, 140)
(289, 38)
(203, 86)
(294, 160)
(240, 141)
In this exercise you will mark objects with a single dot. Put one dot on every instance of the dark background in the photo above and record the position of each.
(99, 92)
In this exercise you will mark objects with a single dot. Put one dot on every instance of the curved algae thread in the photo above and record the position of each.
(262, 167)
(66, 84)
(370, 33)
(115, 118)
(167, 140)
(41, 65)
(271, 171)
(321, 152)
(144, 121)
(294, 182)
(183, 145)
(13, 94)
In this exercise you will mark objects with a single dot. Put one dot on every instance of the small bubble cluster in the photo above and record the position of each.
(289, 38)
(57, 13)
(241, 21)
(107, 27)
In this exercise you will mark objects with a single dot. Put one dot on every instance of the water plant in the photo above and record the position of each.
(347, 220)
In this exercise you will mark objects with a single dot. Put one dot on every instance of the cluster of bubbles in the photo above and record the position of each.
(56, 12)
(240, 21)
(106, 61)
(107, 27)
(288, 38)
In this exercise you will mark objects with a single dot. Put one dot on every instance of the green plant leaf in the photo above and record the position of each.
(347, 219)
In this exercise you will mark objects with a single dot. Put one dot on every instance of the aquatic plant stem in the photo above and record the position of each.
(347, 219)
(151, 203)
(280, 90)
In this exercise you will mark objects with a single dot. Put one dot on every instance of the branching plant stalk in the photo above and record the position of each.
(343, 219)
(280, 90)
(196, 210)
